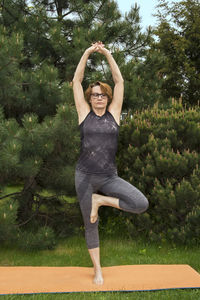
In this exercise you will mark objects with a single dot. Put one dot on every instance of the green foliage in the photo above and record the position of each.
(41, 45)
(11, 54)
(52, 44)
(8, 228)
(113, 222)
(41, 156)
(159, 154)
(143, 82)
(43, 239)
(178, 34)
(64, 219)
(36, 148)
(12, 233)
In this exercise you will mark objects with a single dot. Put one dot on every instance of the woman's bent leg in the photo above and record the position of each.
(130, 198)
(99, 200)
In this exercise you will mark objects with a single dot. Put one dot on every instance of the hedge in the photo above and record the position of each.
(159, 153)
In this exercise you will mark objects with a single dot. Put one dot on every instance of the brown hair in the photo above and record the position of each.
(106, 89)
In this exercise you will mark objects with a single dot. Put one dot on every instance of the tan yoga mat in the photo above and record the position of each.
(28, 280)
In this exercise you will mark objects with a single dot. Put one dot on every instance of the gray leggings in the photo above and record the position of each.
(130, 199)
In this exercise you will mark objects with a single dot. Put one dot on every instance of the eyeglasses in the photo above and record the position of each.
(96, 95)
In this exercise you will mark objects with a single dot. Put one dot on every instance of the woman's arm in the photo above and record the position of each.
(118, 94)
(82, 106)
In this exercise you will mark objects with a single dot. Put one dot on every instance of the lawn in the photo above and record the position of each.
(114, 251)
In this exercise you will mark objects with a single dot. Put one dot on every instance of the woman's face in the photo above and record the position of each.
(97, 98)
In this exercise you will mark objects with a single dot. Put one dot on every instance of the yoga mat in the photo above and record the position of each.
(28, 280)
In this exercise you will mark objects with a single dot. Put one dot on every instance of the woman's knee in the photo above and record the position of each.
(135, 203)
(143, 205)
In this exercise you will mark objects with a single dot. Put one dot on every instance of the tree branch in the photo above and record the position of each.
(12, 59)
(12, 194)
(7, 10)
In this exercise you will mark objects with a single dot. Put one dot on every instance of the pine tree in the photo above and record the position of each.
(143, 81)
(42, 42)
(178, 35)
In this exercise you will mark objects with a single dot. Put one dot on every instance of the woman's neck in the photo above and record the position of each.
(100, 111)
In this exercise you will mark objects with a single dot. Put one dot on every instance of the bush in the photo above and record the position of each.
(43, 239)
(43, 228)
(11, 233)
(159, 154)
(8, 228)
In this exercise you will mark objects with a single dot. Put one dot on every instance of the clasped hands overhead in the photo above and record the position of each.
(98, 47)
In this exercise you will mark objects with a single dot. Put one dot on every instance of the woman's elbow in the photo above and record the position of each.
(120, 82)
(76, 80)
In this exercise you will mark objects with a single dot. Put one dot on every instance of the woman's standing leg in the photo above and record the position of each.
(84, 191)
(95, 257)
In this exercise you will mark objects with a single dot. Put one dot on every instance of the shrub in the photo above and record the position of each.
(8, 228)
(159, 154)
(11, 233)
(43, 239)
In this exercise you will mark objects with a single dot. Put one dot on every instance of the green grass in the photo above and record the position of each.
(161, 295)
(114, 251)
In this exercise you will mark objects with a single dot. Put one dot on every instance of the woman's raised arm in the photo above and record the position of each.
(82, 106)
(116, 105)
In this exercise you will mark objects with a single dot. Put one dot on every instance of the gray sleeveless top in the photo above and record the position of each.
(99, 139)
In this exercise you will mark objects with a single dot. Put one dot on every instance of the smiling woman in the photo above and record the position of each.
(96, 180)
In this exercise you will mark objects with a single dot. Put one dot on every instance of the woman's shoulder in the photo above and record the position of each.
(83, 117)
(116, 117)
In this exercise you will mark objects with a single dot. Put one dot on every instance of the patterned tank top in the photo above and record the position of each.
(99, 139)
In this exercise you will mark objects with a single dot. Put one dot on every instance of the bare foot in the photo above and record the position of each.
(95, 207)
(98, 278)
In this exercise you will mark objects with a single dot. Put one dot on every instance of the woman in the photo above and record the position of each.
(99, 119)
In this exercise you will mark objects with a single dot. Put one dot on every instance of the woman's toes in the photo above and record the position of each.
(98, 278)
